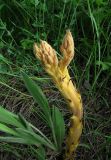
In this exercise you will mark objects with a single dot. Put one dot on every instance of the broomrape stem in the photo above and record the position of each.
(60, 76)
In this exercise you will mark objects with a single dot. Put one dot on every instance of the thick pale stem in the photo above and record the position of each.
(74, 102)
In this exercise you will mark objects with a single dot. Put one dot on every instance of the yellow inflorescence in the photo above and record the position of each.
(60, 75)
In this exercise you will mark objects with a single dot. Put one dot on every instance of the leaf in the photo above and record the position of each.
(30, 135)
(86, 146)
(9, 118)
(3, 59)
(23, 130)
(1, 45)
(41, 153)
(108, 138)
(34, 138)
(38, 95)
(59, 125)
(27, 136)
(8, 130)
(14, 140)
(99, 2)
(26, 43)
(24, 122)
(1, 6)
(104, 65)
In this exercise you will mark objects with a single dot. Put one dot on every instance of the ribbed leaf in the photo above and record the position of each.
(38, 95)
(59, 125)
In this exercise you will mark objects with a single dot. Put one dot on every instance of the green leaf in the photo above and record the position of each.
(3, 59)
(30, 135)
(86, 146)
(23, 130)
(9, 118)
(8, 130)
(38, 95)
(59, 125)
(108, 138)
(14, 140)
(41, 153)
(24, 122)
(104, 65)
(26, 43)
(99, 2)
(27, 136)
(34, 138)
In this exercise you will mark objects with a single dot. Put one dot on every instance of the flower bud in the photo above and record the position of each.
(67, 49)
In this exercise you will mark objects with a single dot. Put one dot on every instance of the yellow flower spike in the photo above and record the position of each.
(67, 49)
(47, 55)
(59, 73)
